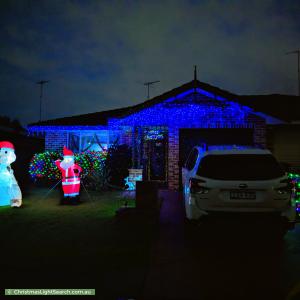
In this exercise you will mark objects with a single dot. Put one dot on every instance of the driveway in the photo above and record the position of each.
(232, 257)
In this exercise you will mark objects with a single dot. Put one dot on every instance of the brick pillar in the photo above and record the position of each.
(260, 134)
(259, 130)
(173, 158)
(56, 140)
(126, 136)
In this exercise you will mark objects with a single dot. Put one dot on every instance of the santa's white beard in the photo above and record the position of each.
(66, 165)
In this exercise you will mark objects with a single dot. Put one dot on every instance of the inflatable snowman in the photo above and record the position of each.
(10, 193)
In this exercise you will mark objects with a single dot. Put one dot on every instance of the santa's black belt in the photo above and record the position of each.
(71, 177)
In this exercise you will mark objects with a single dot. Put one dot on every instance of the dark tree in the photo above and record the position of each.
(13, 124)
(117, 163)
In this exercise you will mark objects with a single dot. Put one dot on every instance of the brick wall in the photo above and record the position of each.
(173, 158)
(126, 136)
(259, 137)
(56, 140)
(260, 134)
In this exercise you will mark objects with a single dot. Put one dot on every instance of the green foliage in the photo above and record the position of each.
(100, 170)
(42, 166)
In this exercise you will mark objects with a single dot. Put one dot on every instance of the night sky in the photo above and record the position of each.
(98, 54)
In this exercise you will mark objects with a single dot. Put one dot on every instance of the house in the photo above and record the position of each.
(161, 131)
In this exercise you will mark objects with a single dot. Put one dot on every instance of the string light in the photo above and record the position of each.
(154, 134)
(295, 180)
(210, 113)
(42, 165)
(54, 128)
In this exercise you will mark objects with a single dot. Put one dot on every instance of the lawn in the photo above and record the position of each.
(47, 245)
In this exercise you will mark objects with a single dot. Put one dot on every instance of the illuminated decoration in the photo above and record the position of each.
(153, 134)
(134, 176)
(294, 176)
(195, 108)
(10, 193)
(198, 109)
(70, 174)
(130, 186)
(297, 203)
(297, 207)
(295, 181)
(44, 128)
(42, 165)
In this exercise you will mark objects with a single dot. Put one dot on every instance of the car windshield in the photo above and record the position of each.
(240, 167)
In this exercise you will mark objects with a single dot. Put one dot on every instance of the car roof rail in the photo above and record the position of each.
(229, 147)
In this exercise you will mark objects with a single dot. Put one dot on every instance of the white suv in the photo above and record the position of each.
(235, 179)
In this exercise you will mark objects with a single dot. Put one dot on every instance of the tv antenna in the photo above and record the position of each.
(148, 86)
(41, 83)
(298, 55)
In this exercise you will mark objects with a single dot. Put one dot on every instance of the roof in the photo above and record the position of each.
(258, 103)
(91, 119)
(284, 107)
(101, 118)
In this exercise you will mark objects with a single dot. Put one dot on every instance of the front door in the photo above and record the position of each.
(156, 164)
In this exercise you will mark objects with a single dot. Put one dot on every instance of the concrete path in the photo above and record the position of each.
(230, 258)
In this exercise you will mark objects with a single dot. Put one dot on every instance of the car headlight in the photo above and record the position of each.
(196, 186)
(283, 190)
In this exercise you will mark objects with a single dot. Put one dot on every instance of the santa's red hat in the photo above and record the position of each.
(67, 152)
(6, 144)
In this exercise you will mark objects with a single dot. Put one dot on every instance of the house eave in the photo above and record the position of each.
(45, 128)
(270, 120)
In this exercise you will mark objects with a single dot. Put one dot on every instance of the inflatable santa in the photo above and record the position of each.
(10, 193)
(70, 175)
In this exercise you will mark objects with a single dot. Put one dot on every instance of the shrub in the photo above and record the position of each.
(100, 170)
(42, 166)
(117, 163)
(114, 170)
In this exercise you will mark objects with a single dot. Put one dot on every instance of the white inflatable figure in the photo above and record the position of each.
(130, 186)
(10, 193)
(130, 182)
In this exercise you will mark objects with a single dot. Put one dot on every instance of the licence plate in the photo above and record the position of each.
(243, 195)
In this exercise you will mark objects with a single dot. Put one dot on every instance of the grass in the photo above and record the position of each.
(47, 245)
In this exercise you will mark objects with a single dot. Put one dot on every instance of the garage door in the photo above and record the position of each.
(188, 138)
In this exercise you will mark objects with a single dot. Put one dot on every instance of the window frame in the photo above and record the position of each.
(94, 135)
